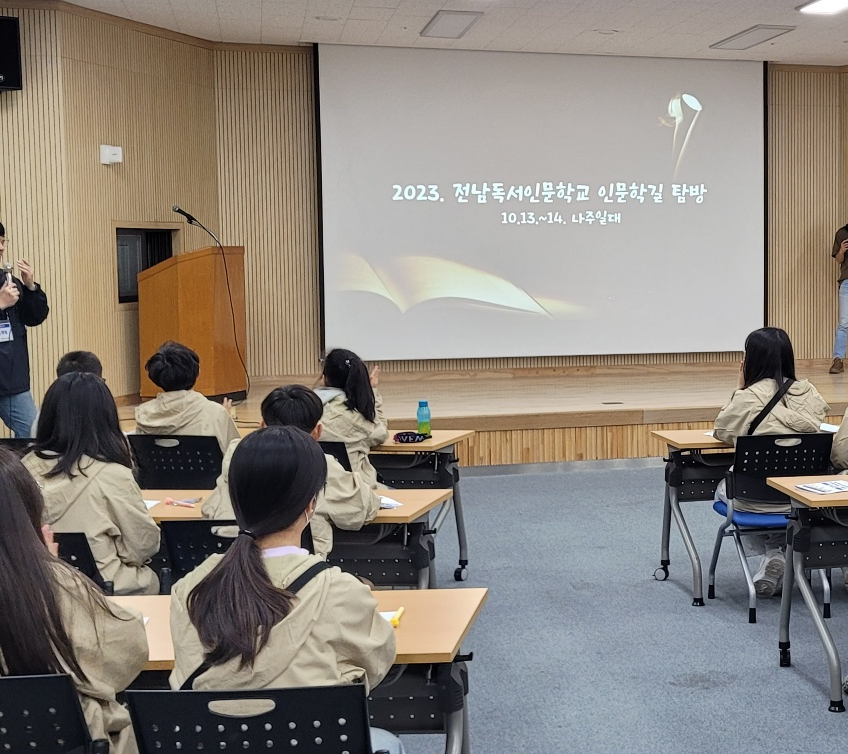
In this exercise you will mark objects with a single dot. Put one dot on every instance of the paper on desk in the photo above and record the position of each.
(824, 427)
(389, 615)
(709, 434)
(151, 503)
(824, 488)
(386, 503)
(145, 619)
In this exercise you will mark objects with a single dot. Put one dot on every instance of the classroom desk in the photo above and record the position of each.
(430, 634)
(690, 474)
(417, 503)
(812, 541)
(430, 463)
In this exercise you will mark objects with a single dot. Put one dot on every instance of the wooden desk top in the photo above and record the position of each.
(689, 439)
(788, 485)
(442, 438)
(416, 502)
(432, 629)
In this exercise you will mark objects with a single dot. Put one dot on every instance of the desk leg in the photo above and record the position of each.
(455, 732)
(836, 703)
(697, 577)
(466, 735)
(461, 573)
(786, 608)
(661, 574)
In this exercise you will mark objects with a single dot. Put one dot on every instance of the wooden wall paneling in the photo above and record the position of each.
(155, 98)
(32, 184)
(806, 204)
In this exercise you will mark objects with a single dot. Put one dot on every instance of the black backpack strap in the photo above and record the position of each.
(296, 585)
(782, 390)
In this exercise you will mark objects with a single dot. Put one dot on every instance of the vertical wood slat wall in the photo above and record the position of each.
(230, 135)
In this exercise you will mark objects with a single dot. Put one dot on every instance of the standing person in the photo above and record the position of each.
(839, 253)
(22, 304)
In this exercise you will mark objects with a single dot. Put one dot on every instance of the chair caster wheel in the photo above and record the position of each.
(785, 658)
(661, 574)
(460, 574)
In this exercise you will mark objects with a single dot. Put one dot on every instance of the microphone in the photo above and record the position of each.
(191, 218)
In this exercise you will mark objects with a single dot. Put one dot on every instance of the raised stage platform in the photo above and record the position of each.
(563, 414)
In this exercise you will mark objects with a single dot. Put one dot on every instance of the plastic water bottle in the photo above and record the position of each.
(423, 418)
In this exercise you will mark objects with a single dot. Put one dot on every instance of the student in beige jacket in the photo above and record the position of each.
(353, 409)
(55, 621)
(330, 633)
(180, 410)
(769, 361)
(346, 500)
(82, 462)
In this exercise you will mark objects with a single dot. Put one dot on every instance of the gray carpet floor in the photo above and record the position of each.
(579, 649)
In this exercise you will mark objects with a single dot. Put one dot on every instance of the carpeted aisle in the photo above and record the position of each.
(579, 649)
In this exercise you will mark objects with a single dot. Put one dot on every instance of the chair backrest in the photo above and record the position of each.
(75, 551)
(339, 451)
(181, 462)
(42, 713)
(321, 719)
(761, 456)
(18, 445)
(189, 543)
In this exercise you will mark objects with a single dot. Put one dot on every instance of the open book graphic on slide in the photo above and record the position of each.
(409, 281)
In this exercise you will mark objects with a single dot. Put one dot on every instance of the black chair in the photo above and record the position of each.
(757, 458)
(318, 720)
(42, 713)
(339, 451)
(189, 543)
(179, 462)
(18, 445)
(75, 551)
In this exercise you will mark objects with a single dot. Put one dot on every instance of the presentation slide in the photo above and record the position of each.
(489, 204)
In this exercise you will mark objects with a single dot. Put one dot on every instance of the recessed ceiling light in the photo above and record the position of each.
(450, 24)
(752, 37)
(325, 18)
(605, 32)
(824, 7)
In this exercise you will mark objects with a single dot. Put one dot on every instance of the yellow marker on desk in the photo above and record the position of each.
(395, 619)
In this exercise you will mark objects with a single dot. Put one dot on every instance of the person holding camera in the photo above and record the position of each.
(22, 304)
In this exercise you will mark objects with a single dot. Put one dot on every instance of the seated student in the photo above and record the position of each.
(55, 621)
(768, 366)
(346, 500)
(82, 462)
(180, 410)
(234, 622)
(353, 409)
(74, 361)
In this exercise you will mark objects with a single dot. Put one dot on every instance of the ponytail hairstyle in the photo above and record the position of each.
(344, 370)
(33, 640)
(275, 473)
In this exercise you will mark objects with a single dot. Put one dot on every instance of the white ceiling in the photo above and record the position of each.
(661, 28)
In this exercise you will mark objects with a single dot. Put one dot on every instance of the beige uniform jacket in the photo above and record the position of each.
(345, 501)
(801, 410)
(333, 635)
(839, 454)
(111, 648)
(350, 427)
(103, 501)
(185, 412)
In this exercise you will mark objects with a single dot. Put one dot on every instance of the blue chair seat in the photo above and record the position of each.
(758, 520)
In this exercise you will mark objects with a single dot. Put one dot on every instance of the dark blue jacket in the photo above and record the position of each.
(31, 310)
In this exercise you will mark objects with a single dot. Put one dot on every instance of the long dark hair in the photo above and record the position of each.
(79, 418)
(33, 640)
(292, 406)
(274, 474)
(344, 370)
(768, 356)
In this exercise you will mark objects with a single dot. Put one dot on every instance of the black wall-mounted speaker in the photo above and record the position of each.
(10, 53)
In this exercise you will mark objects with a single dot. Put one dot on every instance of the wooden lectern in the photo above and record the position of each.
(185, 299)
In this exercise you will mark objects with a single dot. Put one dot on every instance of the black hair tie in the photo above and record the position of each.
(247, 533)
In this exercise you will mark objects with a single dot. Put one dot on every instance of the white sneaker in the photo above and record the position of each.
(768, 580)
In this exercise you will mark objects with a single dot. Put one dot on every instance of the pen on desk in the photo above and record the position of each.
(188, 503)
(395, 620)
